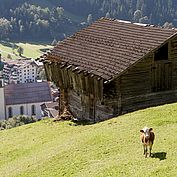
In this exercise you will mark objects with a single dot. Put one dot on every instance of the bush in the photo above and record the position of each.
(9, 56)
(16, 121)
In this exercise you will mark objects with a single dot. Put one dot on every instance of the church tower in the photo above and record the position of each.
(2, 99)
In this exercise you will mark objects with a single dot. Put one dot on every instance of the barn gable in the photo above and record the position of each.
(95, 66)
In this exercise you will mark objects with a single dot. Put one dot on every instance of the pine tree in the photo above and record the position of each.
(20, 51)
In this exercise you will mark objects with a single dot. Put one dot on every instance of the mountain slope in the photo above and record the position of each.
(110, 148)
(55, 19)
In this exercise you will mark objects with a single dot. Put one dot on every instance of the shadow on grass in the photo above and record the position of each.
(44, 49)
(9, 44)
(159, 155)
(83, 123)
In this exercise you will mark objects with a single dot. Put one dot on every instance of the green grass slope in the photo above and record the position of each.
(31, 50)
(109, 148)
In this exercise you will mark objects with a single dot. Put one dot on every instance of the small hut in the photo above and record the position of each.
(113, 67)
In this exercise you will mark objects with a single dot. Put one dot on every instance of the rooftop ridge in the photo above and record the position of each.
(137, 23)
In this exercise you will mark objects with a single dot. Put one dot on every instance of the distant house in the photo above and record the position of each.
(20, 71)
(23, 99)
(113, 67)
(50, 109)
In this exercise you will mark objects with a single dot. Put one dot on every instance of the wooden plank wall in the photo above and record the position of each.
(81, 92)
(137, 84)
(148, 100)
(173, 57)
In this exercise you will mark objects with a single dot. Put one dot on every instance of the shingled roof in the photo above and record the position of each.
(108, 47)
(36, 92)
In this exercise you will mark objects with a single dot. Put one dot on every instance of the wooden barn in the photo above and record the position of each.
(113, 67)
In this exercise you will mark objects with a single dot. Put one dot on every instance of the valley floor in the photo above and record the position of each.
(31, 50)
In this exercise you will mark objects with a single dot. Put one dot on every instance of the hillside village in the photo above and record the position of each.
(21, 71)
(22, 92)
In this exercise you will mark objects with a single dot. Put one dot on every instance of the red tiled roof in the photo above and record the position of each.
(108, 47)
(36, 92)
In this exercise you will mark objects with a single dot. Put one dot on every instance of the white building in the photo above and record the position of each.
(2, 100)
(23, 99)
(20, 71)
(27, 72)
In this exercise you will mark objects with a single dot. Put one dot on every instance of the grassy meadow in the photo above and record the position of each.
(109, 148)
(31, 50)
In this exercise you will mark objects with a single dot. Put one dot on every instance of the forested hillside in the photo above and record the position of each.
(49, 19)
(32, 21)
(158, 11)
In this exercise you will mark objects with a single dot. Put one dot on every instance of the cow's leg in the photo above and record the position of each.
(150, 148)
(145, 150)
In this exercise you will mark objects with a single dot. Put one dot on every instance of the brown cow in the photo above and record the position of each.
(147, 138)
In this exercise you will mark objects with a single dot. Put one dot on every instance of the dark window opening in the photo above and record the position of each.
(21, 110)
(110, 90)
(161, 53)
(33, 110)
(10, 114)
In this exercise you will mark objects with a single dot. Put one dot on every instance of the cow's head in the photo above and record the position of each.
(146, 131)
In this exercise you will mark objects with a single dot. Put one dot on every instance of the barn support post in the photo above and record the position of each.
(47, 71)
(94, 110)
(65, 99)
(119, 97)
(64, 110)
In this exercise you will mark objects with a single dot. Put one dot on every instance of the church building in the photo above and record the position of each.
(23, 99)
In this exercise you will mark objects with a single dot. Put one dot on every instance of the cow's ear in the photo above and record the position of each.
(150, 129)
(142, 131)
